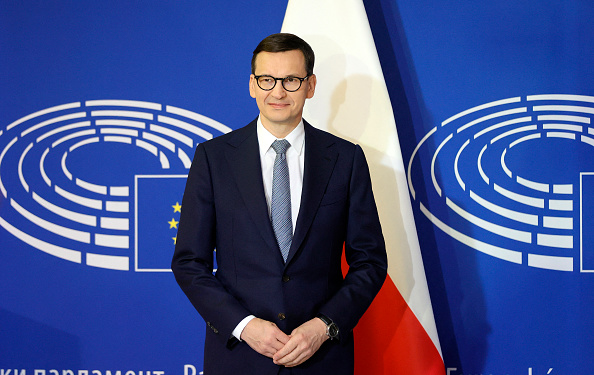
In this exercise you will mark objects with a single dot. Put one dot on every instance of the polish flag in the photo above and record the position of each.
(397, 335)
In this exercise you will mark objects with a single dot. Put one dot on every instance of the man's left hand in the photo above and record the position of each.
(304, 341)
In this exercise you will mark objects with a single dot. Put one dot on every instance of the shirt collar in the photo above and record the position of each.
(296, 138)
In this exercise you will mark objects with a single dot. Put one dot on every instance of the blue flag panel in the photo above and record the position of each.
(587, 222)
(101, 108)
(158, 210)
(494, 108)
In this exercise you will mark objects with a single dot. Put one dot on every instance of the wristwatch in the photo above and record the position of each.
(331, 327)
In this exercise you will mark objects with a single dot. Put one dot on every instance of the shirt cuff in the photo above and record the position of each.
(239, 329)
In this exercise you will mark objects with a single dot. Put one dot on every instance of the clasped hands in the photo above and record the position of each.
(285, 350)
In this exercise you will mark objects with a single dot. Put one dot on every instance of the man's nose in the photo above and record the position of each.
(279, 91)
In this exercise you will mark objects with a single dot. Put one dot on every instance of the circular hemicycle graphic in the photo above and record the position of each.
(68, 173)
(513, 179)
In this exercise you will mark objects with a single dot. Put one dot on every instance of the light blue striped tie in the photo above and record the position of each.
(280, 203)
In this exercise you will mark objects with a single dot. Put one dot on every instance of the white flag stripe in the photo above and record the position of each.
(352, 101)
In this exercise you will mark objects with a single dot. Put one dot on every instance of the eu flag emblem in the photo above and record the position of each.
(158, 210)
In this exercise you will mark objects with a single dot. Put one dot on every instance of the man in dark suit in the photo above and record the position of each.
(279, 219)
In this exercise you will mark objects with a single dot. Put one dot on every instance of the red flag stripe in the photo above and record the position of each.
(389, 339)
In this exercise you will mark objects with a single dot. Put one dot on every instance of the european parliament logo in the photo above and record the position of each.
(513, 179)
(100, 182)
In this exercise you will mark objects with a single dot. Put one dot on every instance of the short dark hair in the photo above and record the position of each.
(283, 42)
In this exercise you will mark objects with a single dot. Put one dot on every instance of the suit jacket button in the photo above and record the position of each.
(281, 316)
(286, 278)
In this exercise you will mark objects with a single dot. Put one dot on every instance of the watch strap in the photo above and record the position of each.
(327, 321)
(331, 327)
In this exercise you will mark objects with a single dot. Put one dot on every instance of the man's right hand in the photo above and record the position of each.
(264, 337)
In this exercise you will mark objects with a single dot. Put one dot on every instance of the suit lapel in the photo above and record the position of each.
(244, 161)
(320, 158)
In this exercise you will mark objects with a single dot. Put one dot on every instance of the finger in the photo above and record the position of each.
(298, 350)
(296, 357)
(277, 345)
(297, 361)
(264, 337)
(288, 347)
(274, 342)
(282, 337)
(279, 339)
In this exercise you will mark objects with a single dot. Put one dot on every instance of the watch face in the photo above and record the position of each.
(333, 330)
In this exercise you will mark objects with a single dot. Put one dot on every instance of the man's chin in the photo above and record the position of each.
(279, 120)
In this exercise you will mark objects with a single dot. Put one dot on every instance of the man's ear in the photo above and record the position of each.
(252, 86)
(311, 86)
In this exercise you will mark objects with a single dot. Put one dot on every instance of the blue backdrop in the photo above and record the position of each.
(191, 55)
(501, 192)
(102, 104)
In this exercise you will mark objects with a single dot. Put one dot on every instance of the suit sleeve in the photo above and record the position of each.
(365, 252)
(193, 259)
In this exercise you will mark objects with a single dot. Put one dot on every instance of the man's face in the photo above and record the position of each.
(278, 107)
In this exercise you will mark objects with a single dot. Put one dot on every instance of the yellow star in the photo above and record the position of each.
(173, 224)
(177, 207)
(174, 240)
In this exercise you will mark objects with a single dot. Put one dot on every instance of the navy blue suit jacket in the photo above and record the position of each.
(224, 207)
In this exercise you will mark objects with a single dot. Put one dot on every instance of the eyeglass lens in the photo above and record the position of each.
(289, 83)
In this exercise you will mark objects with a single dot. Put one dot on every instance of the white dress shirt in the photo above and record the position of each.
(295, 161)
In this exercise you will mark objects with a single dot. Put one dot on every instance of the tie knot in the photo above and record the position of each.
(280, 146)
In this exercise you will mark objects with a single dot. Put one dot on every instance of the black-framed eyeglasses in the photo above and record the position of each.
(290, 83)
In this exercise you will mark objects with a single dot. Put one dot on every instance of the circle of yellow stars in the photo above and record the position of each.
(173, 223)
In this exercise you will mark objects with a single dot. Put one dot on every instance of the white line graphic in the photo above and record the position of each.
(486, 186)
(57, 202)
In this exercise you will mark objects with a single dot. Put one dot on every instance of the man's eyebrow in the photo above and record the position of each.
(288, 75)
